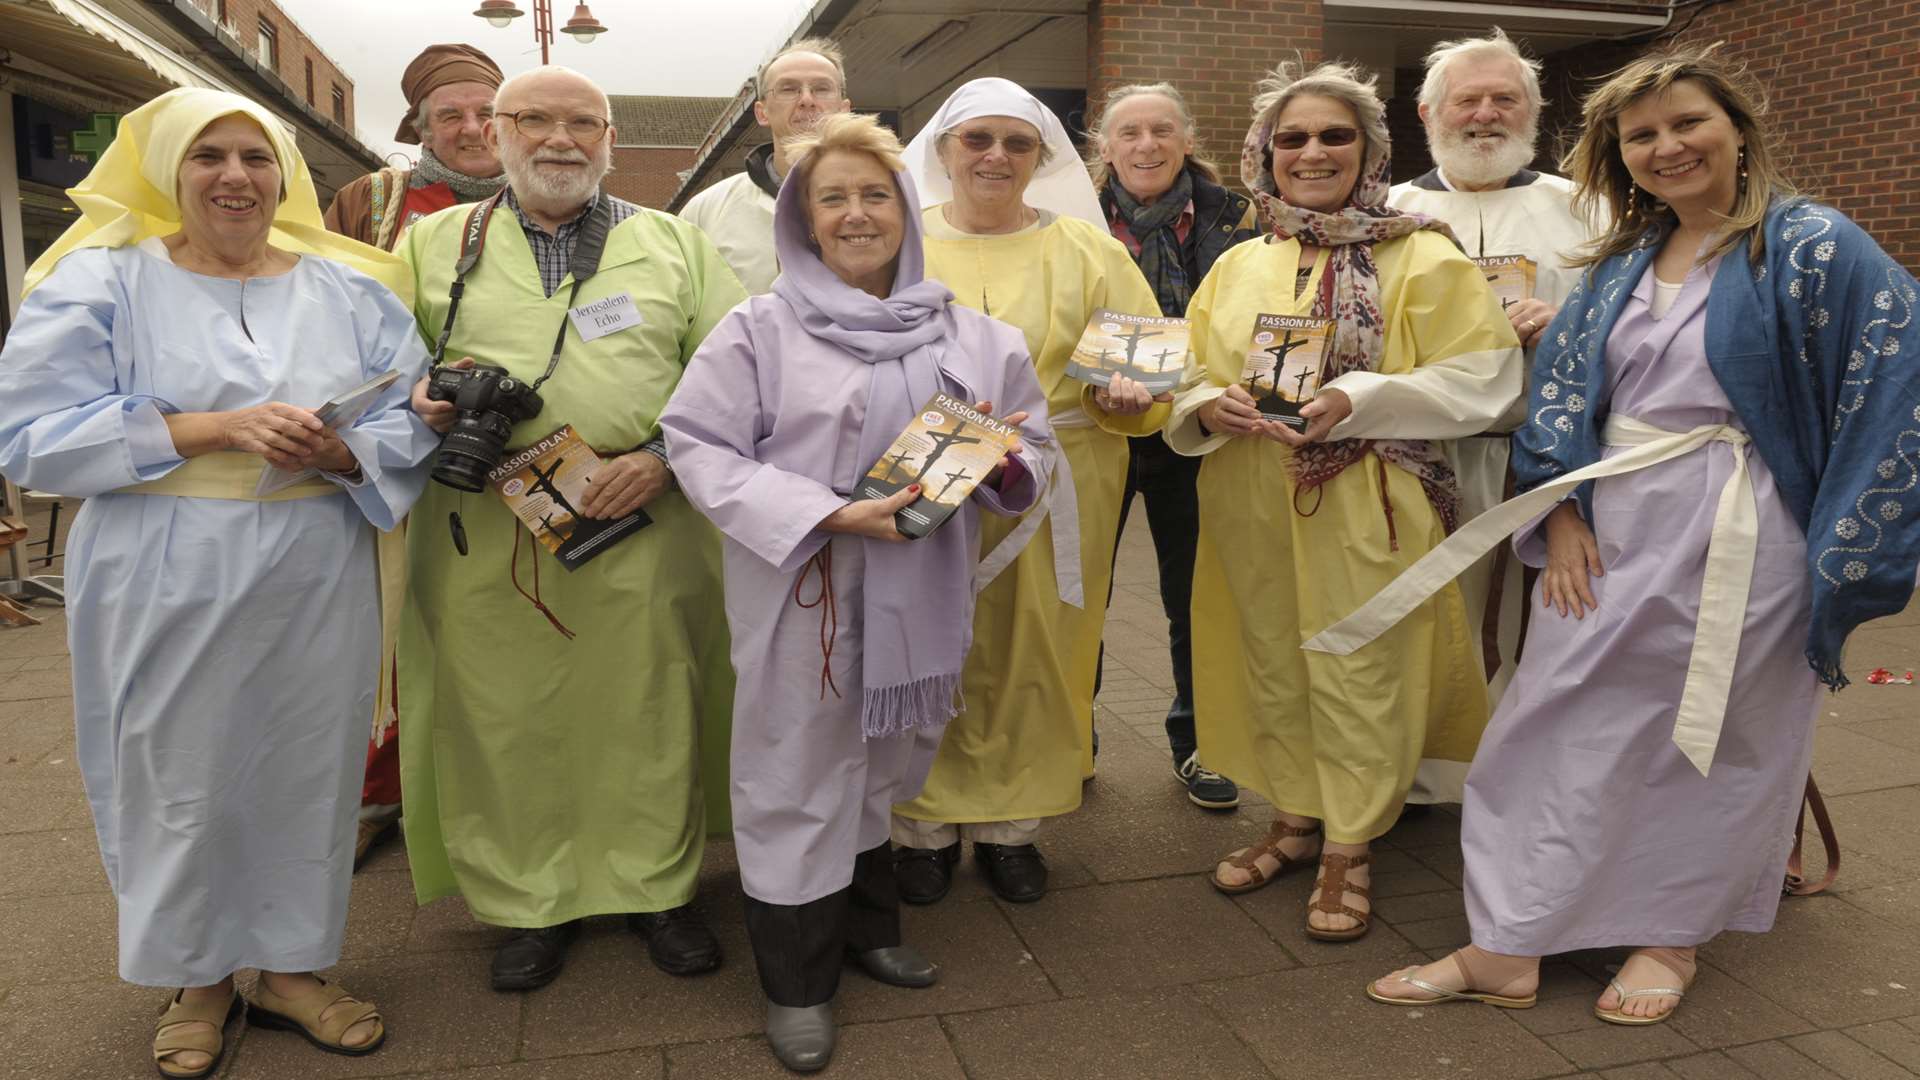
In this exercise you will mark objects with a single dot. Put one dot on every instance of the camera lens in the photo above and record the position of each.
(471, 450)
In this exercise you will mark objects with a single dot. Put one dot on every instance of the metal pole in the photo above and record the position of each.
(543, 27)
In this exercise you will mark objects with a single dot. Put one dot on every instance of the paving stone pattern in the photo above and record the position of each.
(1131, 967)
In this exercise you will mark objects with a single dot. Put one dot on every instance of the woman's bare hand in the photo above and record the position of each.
(1232, 413)
(872, 518)
(1572, 558)
(285, 435)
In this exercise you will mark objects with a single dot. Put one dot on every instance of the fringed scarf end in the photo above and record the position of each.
(1828, 669)
(887, 711)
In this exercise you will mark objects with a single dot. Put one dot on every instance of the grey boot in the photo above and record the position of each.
(802, 1038)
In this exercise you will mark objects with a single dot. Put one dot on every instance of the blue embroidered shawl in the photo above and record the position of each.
(1815, 347)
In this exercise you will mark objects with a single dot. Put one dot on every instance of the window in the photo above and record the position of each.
(310, 100)
(339, 105)
(269, 48)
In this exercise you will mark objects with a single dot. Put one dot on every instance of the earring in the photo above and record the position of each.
(1743, 170)
(1633, 198)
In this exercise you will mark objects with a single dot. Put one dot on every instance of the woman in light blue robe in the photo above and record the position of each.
(225, 648)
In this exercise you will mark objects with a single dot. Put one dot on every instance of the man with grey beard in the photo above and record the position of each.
(1481, 107)
(567, 729)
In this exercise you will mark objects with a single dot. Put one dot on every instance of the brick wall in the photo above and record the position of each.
(1843, 77)
(648, 175)
(1214, 50)
(294, 49)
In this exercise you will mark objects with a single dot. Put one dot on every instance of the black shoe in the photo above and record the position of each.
(801, 1038)
(897, 965)
(925, 874)
(531, 959)
(1414, 811)
(1206, 787)
(1017, 871)
(678, 940)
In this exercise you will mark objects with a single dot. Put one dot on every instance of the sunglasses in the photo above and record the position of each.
(1297, 140)
(982, 141)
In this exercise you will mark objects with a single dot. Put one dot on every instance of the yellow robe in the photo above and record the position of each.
(1024, 742)
(1336, 737)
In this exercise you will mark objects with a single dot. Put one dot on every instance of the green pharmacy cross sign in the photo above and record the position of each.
(93, 141)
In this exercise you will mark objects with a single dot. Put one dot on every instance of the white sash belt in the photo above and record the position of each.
(1723, 590)
(1061, 506)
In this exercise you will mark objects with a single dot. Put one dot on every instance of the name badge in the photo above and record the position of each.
(602, 317)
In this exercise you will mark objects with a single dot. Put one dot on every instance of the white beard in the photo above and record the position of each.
(1481, 162)
(549, 186)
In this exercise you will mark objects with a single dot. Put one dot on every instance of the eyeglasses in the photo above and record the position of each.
(535, 124)
(982, 141)
(824, 92)
(1297, 140)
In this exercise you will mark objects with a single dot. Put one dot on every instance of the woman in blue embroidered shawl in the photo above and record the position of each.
(1729, 407)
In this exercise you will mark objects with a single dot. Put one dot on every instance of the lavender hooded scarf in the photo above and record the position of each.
(918, 596)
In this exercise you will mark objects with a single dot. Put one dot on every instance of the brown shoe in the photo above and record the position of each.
(171, 1035)
(372, 834)
(303, 1016)
(1248, 858)
(1333, 897)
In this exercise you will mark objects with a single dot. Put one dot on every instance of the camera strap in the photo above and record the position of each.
(587, 249)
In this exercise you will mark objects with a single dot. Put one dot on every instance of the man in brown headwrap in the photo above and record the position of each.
(449, 91)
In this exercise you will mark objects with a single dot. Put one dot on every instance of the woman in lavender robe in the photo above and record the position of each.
(847, 641)
(1726, 402)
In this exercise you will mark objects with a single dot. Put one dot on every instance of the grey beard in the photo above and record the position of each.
(1460, 162)
(432, 170)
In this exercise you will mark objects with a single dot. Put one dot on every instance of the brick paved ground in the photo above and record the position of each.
(1131, 967)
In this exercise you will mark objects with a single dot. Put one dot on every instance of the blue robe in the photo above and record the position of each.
(224, 651)
(1814, 347)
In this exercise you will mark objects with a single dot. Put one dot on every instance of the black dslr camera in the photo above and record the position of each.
(490, 402)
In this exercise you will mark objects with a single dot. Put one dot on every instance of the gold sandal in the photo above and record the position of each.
(1672, 960)
(1442, 995)
(1248, 858)
(170, 1036)
(1333, 897)
(302, 1015)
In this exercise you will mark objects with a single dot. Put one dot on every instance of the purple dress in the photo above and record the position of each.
(1583, 824)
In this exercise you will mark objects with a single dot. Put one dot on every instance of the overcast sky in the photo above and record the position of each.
(693, 47)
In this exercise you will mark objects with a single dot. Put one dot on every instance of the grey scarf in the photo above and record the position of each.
(432, 170)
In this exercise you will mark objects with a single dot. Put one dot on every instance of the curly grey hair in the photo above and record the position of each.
(1433, 91)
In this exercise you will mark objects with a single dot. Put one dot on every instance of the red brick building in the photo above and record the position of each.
(1844, 74)
(285, 50)
(655, 141)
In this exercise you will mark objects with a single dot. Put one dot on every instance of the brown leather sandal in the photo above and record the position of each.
(1248, 858)
(1333, 897)
(302, 1015)
(172, 1036)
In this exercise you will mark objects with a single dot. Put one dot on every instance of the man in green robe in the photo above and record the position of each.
(567, 728)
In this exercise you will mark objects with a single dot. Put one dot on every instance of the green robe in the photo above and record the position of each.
(549, 779)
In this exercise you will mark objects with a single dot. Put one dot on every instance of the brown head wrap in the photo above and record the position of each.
(436, 67)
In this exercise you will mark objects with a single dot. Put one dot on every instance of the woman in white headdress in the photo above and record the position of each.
(1013, 227)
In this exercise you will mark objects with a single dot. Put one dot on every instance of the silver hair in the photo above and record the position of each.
(1441, 58)
(1348, 84)
(1096, 138)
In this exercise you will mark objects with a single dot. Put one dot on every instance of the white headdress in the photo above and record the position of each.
(1061, 185)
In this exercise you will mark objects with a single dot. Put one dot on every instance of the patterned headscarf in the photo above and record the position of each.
(1350, 296)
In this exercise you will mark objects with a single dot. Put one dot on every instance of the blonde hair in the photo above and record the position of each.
(825, 48)
(1605, 189)
(853, 133)
(1097, 137)
(1348, 84)
(1433, 91)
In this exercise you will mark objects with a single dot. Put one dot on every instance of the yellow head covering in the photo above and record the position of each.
(130, 194)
